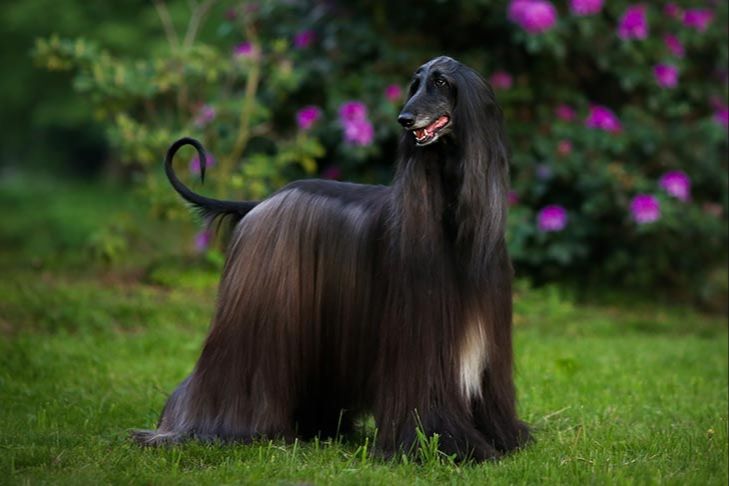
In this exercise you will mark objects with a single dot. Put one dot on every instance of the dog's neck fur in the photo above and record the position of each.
(435, 210)
(425, 199)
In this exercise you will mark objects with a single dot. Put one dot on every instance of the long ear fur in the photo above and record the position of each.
(482, 201)
(419, 200)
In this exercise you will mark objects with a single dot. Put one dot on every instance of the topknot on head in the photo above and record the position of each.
(441, 62)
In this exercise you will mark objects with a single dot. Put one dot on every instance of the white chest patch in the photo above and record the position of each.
(473, 357)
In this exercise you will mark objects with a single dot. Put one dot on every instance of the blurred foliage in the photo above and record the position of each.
(41, 123)
(236, 74)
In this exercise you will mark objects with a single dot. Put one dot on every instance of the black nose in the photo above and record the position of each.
(407, 120)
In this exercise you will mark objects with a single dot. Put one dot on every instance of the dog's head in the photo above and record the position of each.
(428, 112)
(443, 95)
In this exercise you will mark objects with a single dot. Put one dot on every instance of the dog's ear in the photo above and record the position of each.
(478, 117)
(479, 132)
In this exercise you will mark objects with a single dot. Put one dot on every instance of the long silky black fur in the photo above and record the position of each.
(341, 299)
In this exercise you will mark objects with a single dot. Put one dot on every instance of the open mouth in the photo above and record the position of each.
(429, 133)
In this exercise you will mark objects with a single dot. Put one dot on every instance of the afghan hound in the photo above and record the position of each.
(339, 299)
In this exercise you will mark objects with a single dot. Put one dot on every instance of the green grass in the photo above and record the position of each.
(633, 393)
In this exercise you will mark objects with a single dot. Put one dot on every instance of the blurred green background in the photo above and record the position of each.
(620, 135)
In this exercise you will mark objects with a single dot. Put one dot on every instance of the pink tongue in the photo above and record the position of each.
(438, 123)
(430, 129)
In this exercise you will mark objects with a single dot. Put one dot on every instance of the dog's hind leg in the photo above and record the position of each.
(170, 427)
(215, 411)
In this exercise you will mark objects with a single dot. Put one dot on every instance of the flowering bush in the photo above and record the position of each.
(637, 145)
(616, 111)
(213, 92)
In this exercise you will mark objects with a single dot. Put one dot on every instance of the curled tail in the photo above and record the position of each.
(209, 209)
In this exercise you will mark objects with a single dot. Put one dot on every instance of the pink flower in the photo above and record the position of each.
(565, 112)
(603, 118)
(195, 163)
(633, 24)
(677, 184)
(666, 75)
(645, 208)
(202, 240)
(672, 10)
(698, 18)
(552, 218)
(357, 128)
(359, 132)
(516, 9)
(244, 50)
(205, 115)
(534, 16)
(352, 110)
(304, 39)
(564, 147)
(513, 198)
(501, 80)
(393, 93)
(674, 45)
(307, 116)
(332, 172)
(586, 7)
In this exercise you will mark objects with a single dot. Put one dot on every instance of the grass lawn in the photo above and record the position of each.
(616, 392)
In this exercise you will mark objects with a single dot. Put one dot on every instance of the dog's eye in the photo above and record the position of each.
(440, 83)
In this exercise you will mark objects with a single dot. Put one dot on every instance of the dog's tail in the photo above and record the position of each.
(209, 209)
